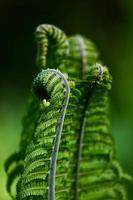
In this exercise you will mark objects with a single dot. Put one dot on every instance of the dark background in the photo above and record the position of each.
(108, 23)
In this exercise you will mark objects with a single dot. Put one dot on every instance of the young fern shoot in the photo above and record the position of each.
(41, 156)
(67, 151)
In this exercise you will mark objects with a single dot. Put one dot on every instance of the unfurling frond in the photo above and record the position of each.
(67, 151)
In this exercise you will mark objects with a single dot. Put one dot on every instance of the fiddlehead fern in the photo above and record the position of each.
(41, 157)
(85, 164)
(98, 177)
(52, 45)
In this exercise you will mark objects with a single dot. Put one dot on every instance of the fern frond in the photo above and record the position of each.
(52, 46)
(97, 143)
(66, 148)
(41, 162)
(83, 53)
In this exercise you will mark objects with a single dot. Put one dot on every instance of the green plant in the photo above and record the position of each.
(66, 149)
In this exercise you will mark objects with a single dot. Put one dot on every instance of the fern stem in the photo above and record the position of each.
(52, 173)
(79, 157)
(83, 54)
(87, 93)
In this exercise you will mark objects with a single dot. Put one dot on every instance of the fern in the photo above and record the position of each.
(83, 54)
(52, 45)
(66, 149)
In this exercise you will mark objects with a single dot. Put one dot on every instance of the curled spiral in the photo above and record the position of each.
(97, 175)
(41, 156)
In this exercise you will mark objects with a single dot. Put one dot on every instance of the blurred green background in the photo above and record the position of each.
(108, 23)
